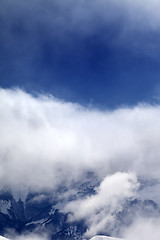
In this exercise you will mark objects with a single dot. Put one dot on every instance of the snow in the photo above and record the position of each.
(52, 211)
(3, 238)
(105, 238)
(4, 206)
(36, 222)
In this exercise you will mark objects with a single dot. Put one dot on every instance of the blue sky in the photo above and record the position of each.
(101, 53)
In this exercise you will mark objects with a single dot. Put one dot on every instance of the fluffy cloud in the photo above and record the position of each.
(98, 210)
(45, 141)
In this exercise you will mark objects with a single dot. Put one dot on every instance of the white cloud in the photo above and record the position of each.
(98, 210)
(116, 187)
(45, 141)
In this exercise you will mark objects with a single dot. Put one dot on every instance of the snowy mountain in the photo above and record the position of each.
(94, 238)
(105, 238)
(42, 213)
(3, 238)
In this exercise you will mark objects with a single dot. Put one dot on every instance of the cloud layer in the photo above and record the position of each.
(45, 141)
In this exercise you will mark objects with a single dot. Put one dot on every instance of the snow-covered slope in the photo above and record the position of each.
(105, 238)
(3, 238)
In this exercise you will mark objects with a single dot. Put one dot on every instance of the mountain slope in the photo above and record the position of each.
(3, 238)
(105, 238)
(42, 213)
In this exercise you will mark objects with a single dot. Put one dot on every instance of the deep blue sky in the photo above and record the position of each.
(91, 52)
